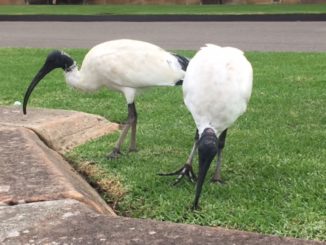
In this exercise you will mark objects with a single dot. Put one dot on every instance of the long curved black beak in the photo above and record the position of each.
(207, 149)
(39, 76)
(56, 59)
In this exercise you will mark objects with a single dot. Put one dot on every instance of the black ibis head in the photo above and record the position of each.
(56, 59)
(207, 149)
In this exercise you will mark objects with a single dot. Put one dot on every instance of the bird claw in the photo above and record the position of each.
(218, 181)
(185, 170)
(133, 150)
(116, 153)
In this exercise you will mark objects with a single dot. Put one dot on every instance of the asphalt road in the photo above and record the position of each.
(249, 36)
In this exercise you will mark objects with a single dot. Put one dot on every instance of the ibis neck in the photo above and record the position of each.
(77, 79)
(73, 78)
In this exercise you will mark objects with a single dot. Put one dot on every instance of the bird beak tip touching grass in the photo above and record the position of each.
(56, 59)
(207, 149)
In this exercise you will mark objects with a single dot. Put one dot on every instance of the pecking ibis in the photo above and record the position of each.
(216, 88)
(127, 66)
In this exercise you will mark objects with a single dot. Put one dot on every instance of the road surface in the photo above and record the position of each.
(249, 36)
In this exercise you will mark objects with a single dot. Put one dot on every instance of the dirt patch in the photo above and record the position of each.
(108, 185)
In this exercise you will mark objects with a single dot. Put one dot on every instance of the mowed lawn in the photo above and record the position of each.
(274, 161)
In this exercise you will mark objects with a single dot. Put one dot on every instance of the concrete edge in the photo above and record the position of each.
(71, 222)
(62, 134)
(167, 18)
(47, 162)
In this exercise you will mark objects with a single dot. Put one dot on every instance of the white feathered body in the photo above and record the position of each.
(126, 66)
(217, 87)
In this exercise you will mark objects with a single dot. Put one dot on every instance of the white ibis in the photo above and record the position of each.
(127, 66)
(216, 88)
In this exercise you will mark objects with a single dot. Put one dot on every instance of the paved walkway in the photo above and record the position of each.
(44, 201)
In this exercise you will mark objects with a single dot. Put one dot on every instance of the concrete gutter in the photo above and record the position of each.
(167, 18)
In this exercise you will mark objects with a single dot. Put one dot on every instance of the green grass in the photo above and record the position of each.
(161, 9)
(274, 160)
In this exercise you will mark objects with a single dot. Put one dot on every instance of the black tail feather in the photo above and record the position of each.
(183, 61)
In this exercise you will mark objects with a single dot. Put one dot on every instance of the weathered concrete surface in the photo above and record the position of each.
(61, 130)
(31, 172)
(70, 222)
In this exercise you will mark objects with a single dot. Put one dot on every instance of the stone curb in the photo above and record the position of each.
(71, 222)
(32, 172)
(61, 130)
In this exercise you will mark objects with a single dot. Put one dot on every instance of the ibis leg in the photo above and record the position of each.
(221, 143)
(131, 122)
(186, 169)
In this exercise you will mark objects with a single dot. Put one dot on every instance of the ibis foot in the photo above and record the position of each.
(185, 170)
(195, 208)
(218, 181)
(133, 150)
(116, 153)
